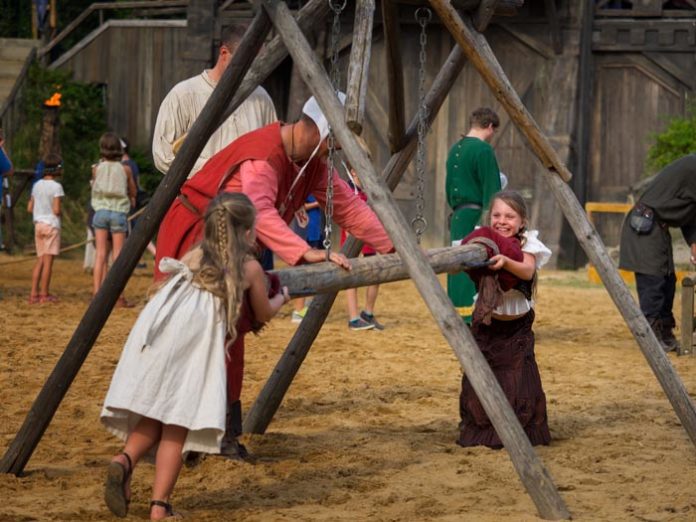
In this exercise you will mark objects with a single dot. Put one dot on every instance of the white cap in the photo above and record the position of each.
(311, 108)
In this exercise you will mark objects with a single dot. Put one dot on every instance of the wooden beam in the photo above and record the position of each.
(324, 278)
(395, 74)
(554, 25)
(480, 54)
(56, 386)
(482, 58)
(532, 473)
(484, 13)
(359, 65)
(271, 396)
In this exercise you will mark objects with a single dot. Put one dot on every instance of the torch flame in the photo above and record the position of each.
(53, 101)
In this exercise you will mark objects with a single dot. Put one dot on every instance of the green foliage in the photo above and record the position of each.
(676, 141)
(82, 121)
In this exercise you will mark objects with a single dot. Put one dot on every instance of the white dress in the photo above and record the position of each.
(172, 368)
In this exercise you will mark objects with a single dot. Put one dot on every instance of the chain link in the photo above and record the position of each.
(337, 7)
(419, 223)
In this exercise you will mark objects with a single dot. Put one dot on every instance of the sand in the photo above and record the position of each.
(367, 429)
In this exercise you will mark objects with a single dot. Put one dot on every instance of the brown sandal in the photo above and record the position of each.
(171, 515)
(115, 487)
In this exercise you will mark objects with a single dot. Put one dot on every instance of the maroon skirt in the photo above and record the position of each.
(508, 346)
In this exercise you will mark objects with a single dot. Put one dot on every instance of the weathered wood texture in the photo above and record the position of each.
(532, 473)
(688, 321)
(394, 75)
(490, 70)
(359, 64)
(270, 397)
(56, 386)
(323, 278)
(135, 86)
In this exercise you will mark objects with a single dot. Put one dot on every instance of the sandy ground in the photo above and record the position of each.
(367, 430)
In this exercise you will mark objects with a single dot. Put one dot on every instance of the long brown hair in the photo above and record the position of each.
(225, 247)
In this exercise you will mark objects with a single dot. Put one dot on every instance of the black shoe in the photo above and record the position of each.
(193, 459)
(669, 342)
(235, 450)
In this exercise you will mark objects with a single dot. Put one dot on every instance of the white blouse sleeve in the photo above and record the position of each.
(533, 246)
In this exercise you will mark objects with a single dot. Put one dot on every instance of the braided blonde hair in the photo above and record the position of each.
(225, 247)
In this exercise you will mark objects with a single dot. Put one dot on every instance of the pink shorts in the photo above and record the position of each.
(47, 239)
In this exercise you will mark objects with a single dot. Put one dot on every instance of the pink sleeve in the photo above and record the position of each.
(259, 182)
(354, 215)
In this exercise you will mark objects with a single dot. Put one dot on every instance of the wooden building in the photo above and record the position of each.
(599, 77)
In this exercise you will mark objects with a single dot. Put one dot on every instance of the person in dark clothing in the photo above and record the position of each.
(669, 201)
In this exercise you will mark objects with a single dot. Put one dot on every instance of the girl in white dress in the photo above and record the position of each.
(168, 393)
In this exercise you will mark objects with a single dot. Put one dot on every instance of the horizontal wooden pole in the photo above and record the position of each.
(321, 278)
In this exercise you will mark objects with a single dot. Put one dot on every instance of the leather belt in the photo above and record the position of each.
(189, 206)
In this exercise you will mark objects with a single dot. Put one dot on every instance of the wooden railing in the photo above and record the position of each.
(153, 7)
(11, 116)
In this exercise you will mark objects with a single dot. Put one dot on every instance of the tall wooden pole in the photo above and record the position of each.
(269, 399)
(395, 74)
(46, 403)
(534, 476)
(359, 64)
(481, 56)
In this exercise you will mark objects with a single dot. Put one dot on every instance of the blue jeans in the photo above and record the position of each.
(115, 222)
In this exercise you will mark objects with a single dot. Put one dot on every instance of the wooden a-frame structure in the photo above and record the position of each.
(472, 46)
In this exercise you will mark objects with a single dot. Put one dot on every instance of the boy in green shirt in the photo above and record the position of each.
(473, 177)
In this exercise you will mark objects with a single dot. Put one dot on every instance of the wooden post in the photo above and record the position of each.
(270, 397)
(323, 278)
(480, 54)
(359, 65)
(46, 403)
(687, 317)
(534, 476)
(395, 74)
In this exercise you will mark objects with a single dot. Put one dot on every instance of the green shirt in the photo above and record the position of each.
(473, 175)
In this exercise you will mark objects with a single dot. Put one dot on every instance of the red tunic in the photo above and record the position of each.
(181, 227)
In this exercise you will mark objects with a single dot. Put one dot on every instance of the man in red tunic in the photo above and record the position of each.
(277, 166)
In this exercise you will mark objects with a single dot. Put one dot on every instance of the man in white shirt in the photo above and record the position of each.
(186, 100)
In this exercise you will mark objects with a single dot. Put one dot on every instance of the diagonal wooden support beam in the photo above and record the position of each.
(323, 278)
(395, 74)
(534, 476)
(271, 396)
(484, 14)
(488, 67)
(481, 56)
(359, 65)
(56, 386)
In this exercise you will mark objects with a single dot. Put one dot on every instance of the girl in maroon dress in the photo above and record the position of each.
(504, 333)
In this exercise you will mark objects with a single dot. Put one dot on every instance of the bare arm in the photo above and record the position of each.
(132, 189)
(264, 308)
(523, 269)
(57, 203)
(30, 205)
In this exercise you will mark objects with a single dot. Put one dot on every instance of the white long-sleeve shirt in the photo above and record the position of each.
(184, 103)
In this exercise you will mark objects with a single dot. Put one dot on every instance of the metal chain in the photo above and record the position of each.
(419, 223)
(337, 7)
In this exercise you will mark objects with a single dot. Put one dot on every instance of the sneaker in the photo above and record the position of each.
(297, 317)
(370, 318)
(360, 324)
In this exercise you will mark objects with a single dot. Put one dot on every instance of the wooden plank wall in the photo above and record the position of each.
(138, 65)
